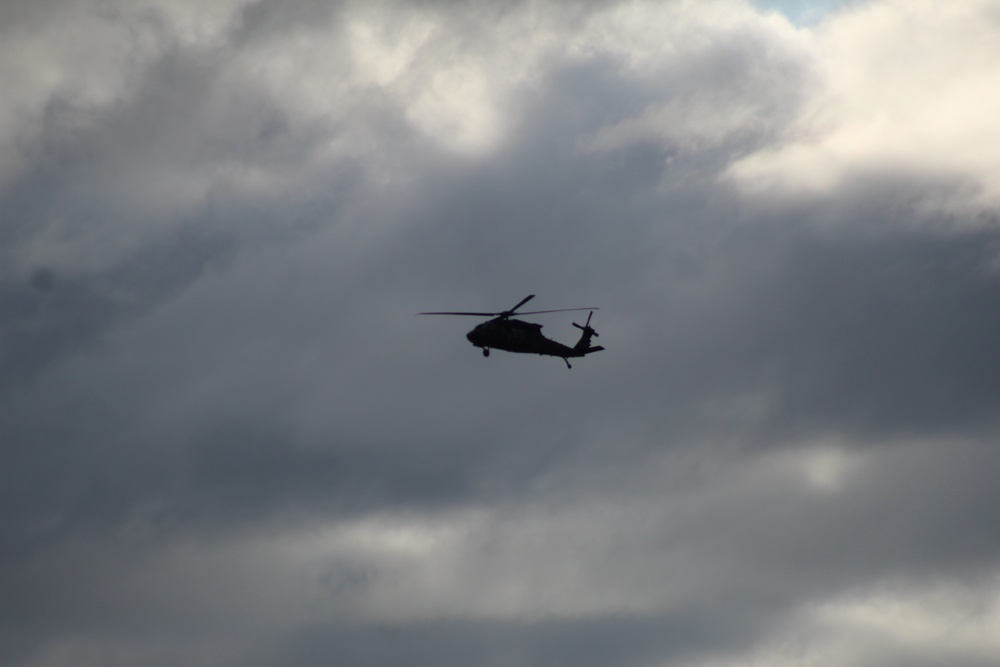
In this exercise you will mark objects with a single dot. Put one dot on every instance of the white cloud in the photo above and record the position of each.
(942, 624)
(911, 90)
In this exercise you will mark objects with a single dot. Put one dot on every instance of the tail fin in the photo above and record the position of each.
(583, 345)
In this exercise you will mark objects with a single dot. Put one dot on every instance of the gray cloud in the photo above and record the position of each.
(227, 439)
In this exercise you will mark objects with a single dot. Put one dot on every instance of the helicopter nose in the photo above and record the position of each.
(475, 337)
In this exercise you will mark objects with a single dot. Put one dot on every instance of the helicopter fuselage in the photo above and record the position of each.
(526, 337)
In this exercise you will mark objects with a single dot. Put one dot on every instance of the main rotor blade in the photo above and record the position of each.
(557, 310)
(509, 313)
(521, 303)
(473, 314)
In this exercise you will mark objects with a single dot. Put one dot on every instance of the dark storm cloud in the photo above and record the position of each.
(52, 314)
(891, 333)
(223, 428)
(882, 334)
(618, 639)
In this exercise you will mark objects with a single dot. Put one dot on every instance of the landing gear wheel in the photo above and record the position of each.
(486, 352)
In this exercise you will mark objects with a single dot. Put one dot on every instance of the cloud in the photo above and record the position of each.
(902, 97)
(227, 440)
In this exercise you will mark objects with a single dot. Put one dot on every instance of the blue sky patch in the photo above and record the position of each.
(804, 12)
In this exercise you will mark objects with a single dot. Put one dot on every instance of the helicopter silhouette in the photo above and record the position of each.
(512, 335)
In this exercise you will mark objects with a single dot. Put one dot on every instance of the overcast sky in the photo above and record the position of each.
(226, 440)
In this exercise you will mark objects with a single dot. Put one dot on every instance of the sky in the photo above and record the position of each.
(226, 439)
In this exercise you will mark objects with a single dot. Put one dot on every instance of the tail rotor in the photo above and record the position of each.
(583, 345)
(586, 327)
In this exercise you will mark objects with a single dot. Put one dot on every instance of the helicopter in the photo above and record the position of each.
(505, 333)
